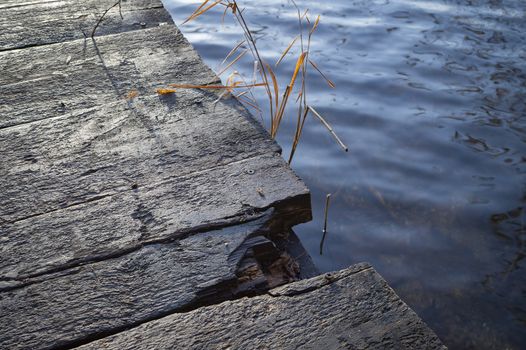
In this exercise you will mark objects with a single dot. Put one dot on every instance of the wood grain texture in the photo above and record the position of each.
(63, 161)
(54, 80)
(117, 209)
(105, 172)
(156, 211)
(34, 23)
(91, 300)
(349, 309)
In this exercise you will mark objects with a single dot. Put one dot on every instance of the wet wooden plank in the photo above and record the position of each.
(67, 160)
(183, 161)
(89, 301)
(34, 23)
(118, 209)
(154, 211)
(349, 309)
(49, 81)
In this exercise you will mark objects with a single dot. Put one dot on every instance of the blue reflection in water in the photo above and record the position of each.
(430, 98)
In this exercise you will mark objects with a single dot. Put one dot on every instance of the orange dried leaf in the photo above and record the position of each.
(132, 94)
(196, 11)
(165, 91)
(200, 10)
(275, 84)
(299, 64)
(315, 25)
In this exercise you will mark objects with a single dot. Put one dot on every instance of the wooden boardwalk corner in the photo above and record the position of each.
(125, 215)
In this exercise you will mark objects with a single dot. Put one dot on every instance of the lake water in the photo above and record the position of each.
(430, 98)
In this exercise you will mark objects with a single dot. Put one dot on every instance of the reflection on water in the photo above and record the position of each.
(430, 99)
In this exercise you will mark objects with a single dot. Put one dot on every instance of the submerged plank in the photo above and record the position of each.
(349, 309)
(93, 300)
(34, 23)
(49, 81)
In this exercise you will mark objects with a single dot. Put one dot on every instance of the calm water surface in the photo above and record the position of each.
(430, 99)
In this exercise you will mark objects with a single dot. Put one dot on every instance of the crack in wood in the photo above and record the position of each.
(119, 189)
(38, 277)
(95, 198)
(257, 262)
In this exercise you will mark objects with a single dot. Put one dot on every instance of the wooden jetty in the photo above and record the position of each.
(133, 220)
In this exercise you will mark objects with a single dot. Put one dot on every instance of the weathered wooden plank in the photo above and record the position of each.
(64, 170)
(105, 297)
(152, 212)
(60, 162)
(34, 23)
(349, 309)
(43, 82)
(119, 209)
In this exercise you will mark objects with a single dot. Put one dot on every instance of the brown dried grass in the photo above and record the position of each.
(277, 103)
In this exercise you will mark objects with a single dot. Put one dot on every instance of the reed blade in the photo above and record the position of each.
(212, 87)
(233, 62)
(287, 50)
(329, 82)
(275, 84)
(200, 10)
(232, 52)
(331, 130)
(315, 25)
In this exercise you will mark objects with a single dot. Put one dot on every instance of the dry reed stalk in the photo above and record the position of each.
(238, 57)
(287, 50)
(213, 87)
(199, 11)
(286, 94)
(331, 130)
(302, 95)
(231, 53)
(277, 103)
(329, 82)
(118, 3)
(255, 52)
(326, 217)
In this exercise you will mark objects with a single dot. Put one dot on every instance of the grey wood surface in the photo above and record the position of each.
(118, 205)
(103, 297)
(62, 161)
(152, 212)
(348, 309)
(55, 80)
(26, 23)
